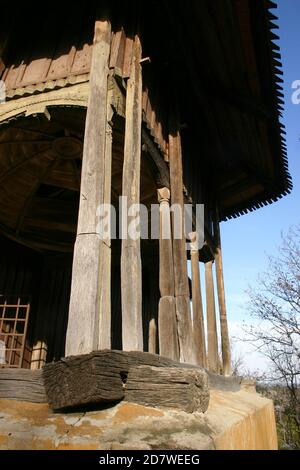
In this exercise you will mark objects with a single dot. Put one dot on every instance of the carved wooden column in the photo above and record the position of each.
(182, 296)
(212, 338)
(226, 356)
(131, 270)
(167, 325)
(198, 323)
(86, 291)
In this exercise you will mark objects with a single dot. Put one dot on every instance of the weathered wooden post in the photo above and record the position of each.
(182, 297)
(167, 326)
(152, 348)
(131, 270)
(212, 338)
(226, 356)
(198, 323)
(87, 301)
(39, 355)
(104, 333)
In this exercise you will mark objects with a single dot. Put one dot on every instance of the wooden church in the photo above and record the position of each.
(159, 101)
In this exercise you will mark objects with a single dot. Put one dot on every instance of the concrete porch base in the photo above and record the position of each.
(241, 420)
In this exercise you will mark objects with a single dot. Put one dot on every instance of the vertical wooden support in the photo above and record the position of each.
(152, 336)
(198, 323)
(167, 325)
(104, 338)
(131, 272)
(212, 338)
(182, 296)
(226, 356)
(39, 355)
(83, 325)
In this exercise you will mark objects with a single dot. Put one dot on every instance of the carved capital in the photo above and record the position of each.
(193, 236)
(163, 195)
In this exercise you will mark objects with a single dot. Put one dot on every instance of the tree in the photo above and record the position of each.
(275, 305)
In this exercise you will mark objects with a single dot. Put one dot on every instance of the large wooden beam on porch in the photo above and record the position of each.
(178, 388)
(131, 269)
(86, 292)
(226, 355)
(102, 377)
(182, 295)
(198, 323)
(167, 325)
(212, 338)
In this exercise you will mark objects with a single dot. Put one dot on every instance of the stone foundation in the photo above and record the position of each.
(237, 420)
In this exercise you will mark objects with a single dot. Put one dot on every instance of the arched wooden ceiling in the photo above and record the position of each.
(40, 167)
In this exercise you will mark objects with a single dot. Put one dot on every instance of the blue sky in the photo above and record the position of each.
(247, 240)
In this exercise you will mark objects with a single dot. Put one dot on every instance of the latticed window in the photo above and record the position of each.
(14, 316)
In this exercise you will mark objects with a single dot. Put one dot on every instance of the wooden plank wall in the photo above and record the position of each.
(19, 269)
(46, 281)
(59, 52)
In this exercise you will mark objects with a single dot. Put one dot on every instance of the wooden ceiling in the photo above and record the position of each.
(40, 167)
(217, 58)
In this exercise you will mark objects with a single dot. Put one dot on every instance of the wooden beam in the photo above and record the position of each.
(104, 339)
(212, 339)
(226, 356)
(131, 270)
(22, 385)
(182, 295)
(101, 376)
(86, 293)
(198, 323)
(167, 324)
(168, 387)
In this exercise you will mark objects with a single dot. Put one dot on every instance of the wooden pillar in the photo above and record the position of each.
(104, 333)
(212, 338)
(167, 325)
(39, 355)
(182, 295)
(226, 356)
(152, 336)
(198, 323)
(131, 271)
(87, 292)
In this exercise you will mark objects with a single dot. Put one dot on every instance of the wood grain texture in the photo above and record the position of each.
(167, 321)
(212, 339)
(93, 164)
(198, 322)
(89, 299)
(167, 328)
(104, 283)
(225, 343)
(166, 265)
(166, 387)
(183, 312)
(152, 342)
(23, 385)
(131, 269)
(97, 377)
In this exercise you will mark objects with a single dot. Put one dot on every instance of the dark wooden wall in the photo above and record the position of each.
(44, 280)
